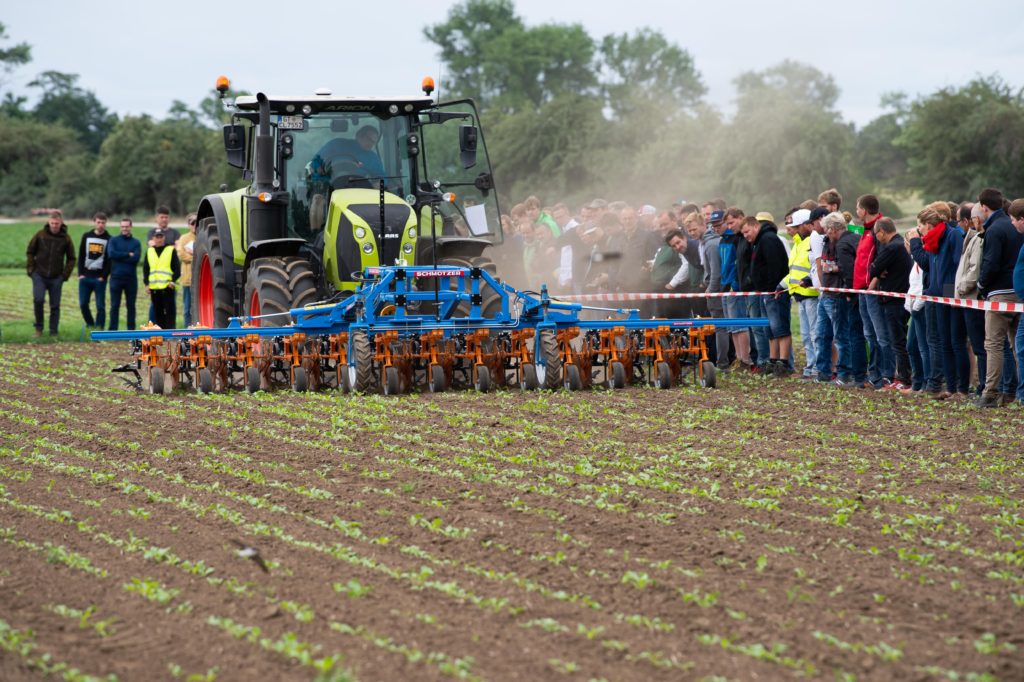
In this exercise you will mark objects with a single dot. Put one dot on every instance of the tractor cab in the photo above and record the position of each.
(336, 185)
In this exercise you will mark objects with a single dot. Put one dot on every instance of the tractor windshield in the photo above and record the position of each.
(338, 150)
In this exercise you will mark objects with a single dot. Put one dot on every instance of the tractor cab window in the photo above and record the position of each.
(337, 151)
(474, 213)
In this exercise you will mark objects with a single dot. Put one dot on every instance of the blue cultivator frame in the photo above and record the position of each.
(433, 327)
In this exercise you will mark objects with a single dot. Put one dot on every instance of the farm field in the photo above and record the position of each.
(768, 529)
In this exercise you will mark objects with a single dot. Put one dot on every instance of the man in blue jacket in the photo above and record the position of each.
(1017, 218)
(995, 283)
(124, 252)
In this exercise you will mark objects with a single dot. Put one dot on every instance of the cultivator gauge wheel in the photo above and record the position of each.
(663, 376)
(573, 380)
(156, 380)
(300, 381)
(708, 374)
(437, 381)
(252, 379)
(392, 384)
(617, 376)
(204, 381)
(529, 381)
(483, 379)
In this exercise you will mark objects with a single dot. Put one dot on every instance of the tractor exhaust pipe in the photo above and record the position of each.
(264, 148)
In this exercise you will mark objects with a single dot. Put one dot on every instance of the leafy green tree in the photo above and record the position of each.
(786, 142)
(493, 57)
(29, 153)
(64, 102)
(13, 56)
(877, 156)
(145, 163)
(961, 140)
(646, 65)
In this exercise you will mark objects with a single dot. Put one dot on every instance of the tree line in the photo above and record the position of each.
(566, 115)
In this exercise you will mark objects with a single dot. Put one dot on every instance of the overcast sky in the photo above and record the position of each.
(139, 56)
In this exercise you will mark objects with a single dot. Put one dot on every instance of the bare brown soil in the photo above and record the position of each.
(765, 530)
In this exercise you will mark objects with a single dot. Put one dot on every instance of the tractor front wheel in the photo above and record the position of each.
(212, 303)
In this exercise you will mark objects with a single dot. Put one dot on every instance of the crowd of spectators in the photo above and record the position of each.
(850, 339)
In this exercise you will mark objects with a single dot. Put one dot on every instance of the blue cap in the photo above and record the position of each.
(717, 217)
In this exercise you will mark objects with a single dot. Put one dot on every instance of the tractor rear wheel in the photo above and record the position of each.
(273, 286)
(490, 300)
(212, 303)
(550, 375)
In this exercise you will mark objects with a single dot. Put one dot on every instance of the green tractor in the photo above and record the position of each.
(336, 185)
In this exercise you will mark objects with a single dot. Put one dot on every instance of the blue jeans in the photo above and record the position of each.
(87, 286)
(808, 310)
(858, 349)
(882, 364)
(974, 327)
(834, 324)
(947, 344)
(823, 336)
(756, 309)
(896, 317)
(1010, 383)
(186, 300)
(917, 347)
(779, 315)
(1019, 343)
(129, 288)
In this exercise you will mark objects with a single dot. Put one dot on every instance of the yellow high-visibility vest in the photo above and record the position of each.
(160, 273)
(800, 266)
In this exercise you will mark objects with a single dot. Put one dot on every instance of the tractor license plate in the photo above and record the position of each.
(290, 123)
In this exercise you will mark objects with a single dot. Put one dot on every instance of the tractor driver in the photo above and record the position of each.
(343, 156)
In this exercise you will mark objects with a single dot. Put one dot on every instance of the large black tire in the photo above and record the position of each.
(212, 302)
(275, 285)
(362, 356)
(616, 375)
(547, 348)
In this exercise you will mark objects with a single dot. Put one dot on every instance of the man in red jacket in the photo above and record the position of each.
(867, 319)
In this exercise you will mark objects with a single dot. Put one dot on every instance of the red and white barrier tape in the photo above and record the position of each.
(995, 306)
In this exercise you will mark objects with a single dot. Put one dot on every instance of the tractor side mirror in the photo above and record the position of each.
(467, 145)
(234, 145)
